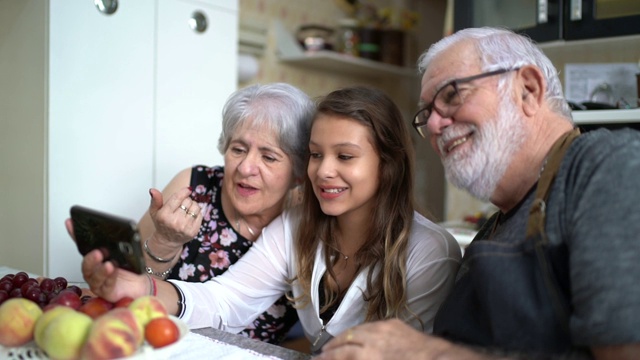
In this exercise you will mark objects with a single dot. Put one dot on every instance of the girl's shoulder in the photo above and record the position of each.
(427, 236)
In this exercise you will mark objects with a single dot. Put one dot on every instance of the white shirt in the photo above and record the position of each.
(234, 299)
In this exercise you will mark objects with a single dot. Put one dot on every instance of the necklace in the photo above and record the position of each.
(344, 257)
(247, 225)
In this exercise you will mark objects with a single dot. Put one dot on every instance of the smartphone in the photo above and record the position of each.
(116, 237)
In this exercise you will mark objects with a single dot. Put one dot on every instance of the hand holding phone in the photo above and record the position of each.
(116, 237)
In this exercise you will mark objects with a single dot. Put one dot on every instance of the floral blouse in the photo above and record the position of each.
(217, 246)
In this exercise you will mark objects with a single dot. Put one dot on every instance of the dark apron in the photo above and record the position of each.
(514, 297)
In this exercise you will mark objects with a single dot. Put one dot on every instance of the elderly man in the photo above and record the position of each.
(553, 273)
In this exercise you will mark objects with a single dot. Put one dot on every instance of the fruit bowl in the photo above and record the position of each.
(146, 351)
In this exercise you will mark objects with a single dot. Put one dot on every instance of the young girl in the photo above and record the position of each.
(354, 251)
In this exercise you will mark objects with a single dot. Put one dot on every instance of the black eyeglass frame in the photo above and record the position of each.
(419, 124)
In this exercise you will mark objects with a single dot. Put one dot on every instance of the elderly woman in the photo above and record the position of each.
(208, 217)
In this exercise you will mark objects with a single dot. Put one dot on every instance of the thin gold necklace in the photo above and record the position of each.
(245, 223)
(344, 257)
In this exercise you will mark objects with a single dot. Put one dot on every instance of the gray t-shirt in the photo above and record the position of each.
(593, 226)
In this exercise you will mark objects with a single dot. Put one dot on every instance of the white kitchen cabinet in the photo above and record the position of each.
(96, 109)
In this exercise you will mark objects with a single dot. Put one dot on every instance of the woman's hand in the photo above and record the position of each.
(109, 282)
(177, 220)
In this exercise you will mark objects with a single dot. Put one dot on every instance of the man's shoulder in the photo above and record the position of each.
(605, 138)
(599, 145)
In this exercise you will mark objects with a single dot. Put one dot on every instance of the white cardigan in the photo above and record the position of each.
(234, 299)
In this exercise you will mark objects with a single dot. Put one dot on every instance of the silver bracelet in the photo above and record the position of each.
(156, 258)
(163, 275)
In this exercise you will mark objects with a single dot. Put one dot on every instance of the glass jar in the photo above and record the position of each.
(347, 40)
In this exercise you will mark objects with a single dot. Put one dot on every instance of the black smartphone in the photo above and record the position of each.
(116, 237)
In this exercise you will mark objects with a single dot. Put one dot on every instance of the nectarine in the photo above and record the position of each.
(18, 318)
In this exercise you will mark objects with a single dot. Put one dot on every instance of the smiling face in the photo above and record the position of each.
(478, 142)
(343, 166)
(258, 173)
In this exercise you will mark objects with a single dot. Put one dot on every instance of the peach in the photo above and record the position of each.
(18, 318)
(111, 337)
(147, 308)
(64, 335)
(129, 318)
(44, 320)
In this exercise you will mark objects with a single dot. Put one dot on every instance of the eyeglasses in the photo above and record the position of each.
(448, 100)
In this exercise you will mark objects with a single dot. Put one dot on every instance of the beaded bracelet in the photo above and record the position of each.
(154, 257)
(161, 275)
(152, 288)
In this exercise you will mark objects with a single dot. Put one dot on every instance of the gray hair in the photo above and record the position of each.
(279, 106)
(501, 48)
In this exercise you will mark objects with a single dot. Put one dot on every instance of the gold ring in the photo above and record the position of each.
(349, 336)
(183, 208)
(193, 215)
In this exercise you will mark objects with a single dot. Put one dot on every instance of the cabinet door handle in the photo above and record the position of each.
(106, 7)
(576, 10)
(543, 11)
(198, 22)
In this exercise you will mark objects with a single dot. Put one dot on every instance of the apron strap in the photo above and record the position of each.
(535, 225)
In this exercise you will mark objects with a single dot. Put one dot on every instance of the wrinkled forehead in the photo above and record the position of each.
(457, 61)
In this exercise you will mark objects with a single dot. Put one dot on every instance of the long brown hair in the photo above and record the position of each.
(388, 235)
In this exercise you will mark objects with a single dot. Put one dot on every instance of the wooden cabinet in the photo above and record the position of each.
(101, 107)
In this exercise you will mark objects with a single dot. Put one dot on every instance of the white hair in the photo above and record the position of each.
(501, 48)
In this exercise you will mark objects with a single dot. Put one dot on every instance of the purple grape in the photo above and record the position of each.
(3, 296)
(8, 277)
(6, 285)
(15, 293)
(76, 289)
(42, 300)
(28, 285)
(20, 279)
(33, 294)
(61, 283)
(47, 285)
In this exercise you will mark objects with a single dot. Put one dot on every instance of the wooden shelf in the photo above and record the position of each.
(289, 51)
(337, 62)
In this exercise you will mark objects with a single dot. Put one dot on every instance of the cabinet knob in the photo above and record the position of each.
(198, 22)
(106, 7)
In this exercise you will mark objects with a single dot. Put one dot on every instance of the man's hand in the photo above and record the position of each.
(390, 339)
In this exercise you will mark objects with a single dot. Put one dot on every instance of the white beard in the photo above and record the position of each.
(479, 168)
